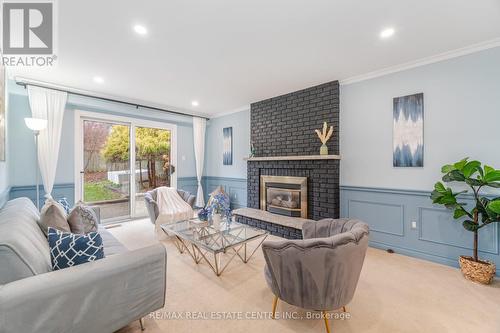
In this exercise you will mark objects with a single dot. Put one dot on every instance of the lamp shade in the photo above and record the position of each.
(36, 124)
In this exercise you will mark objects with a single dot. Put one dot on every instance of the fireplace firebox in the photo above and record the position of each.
(284, 195)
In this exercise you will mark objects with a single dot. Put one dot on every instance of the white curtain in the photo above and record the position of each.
(48, 104)
(199, 126)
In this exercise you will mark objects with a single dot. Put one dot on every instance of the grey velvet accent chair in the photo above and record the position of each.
(151, 196)
(321, 271)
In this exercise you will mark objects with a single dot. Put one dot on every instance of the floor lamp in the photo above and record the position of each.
(36, 125)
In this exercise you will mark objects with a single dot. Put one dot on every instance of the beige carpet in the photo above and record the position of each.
(395, 294)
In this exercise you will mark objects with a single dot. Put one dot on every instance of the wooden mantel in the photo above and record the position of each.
(293, 158)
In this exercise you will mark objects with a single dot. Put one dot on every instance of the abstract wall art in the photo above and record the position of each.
(227, 149)
(408, 131)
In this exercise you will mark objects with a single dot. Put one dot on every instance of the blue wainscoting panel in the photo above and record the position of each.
(437, 236)
(189, 184)
(430, 231)
(235, 187)
(59, 191)
(388, 220)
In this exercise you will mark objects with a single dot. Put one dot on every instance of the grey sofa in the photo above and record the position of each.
(321, 271)
(100, 296)
(150, 199)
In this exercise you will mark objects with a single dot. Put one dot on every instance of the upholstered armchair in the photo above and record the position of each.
(321, 271)
(150, 199)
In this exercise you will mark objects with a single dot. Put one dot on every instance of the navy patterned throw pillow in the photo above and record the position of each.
(67, 249)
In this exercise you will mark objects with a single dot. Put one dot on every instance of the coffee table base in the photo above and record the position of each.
(216, 264)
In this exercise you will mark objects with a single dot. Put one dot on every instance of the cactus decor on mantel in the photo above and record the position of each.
(324, 136)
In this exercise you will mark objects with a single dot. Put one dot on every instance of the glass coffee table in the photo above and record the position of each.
(204, 242)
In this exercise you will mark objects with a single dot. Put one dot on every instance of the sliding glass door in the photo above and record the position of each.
(106, 168)
(115, 177)
(153, 165)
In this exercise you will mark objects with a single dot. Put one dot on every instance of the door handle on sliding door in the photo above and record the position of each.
(172, 169)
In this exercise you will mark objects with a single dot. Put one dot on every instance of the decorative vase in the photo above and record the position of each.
(323, 150)
(477, 271)
(216, 220)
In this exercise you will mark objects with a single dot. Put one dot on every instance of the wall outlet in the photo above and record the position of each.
(413, 224)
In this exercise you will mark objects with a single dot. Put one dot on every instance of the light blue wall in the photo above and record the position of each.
(461, 117)
(240, 122)
(231, 177)
(21, 143)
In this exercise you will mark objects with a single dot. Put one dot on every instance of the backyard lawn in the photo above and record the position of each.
(101, 191)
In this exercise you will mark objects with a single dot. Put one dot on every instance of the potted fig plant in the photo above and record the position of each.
(486, 209)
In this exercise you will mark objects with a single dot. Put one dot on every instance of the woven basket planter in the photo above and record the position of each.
(477, 271)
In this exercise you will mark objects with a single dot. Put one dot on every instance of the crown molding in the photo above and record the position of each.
(227, 113)
(424, 61)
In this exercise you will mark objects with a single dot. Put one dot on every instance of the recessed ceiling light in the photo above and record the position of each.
(195, 103)
(98, 79)
(386, 33)
(140, 29)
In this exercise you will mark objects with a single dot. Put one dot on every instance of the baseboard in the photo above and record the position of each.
(419, 255)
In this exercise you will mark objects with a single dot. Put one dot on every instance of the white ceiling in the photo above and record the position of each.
(227, 54)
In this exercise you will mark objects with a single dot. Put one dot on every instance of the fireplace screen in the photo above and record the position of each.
(284, 195)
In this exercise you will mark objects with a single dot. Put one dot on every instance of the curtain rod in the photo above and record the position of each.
(24, 83)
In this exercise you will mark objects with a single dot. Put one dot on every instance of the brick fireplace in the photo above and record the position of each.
(322, 183)
(282, 127)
